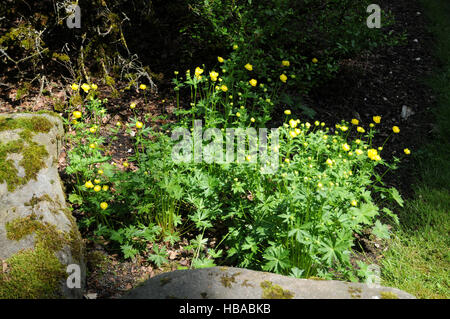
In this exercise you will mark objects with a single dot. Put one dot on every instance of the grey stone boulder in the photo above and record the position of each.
(39, 237)
(237, 283)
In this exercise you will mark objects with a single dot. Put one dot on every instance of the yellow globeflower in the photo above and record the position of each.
(249, 67)
(97, 188)
(105, 188)
(94, 86)
(143, 87)
(253, 82)
(358, 152)
(74, 122)
(283, 78)
(103, 205)
(285, 63)
(314, 60)
(248, 158)
(238, 114)
(213, 75)
(224, 88)
(329, 162)
(118, 124)
(287, 160)
(100, 172)
(344, 128)
(85, 87)
(220, 59)
(360, 129)
(407, 151)
(74, 87)
(125, 164)
(346, 147)
(355, 122)
(89, 184)
(396, 129)
(292, 134)
(92, 145)
(93, 129)
(132, 105)
(287, 112)
(139, 124)
(235, 47)
(252, 120)
(372, 153)
(354, 203)
(198, 71)
(77, 114)
(297, 131)
(377, 119)
(97, 181)
(358, 141)
(293, 123)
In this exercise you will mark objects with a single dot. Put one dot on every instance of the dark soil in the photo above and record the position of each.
(380, 83)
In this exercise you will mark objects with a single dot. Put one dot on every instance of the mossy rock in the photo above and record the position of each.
(237, 283)
(39, 237)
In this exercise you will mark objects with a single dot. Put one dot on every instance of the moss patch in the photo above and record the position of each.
(32, 274)
(388, 295)
(36, 124)
(228, 280)
(33, 154)
(271, 291)
(35, 200)
(35, 272)
(355, 292)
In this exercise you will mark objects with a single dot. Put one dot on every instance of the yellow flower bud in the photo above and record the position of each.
(377, 119)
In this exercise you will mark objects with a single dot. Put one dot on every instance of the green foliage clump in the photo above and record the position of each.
(298, 221)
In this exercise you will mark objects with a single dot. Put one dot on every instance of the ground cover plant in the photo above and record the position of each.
(297, 221)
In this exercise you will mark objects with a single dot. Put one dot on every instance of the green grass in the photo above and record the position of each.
(418, 260)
